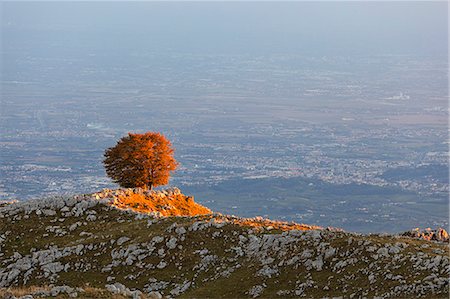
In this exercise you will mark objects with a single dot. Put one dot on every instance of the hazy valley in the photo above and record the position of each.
(240, 121)
(312, 135)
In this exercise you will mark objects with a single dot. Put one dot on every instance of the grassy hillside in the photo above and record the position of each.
(87, 247)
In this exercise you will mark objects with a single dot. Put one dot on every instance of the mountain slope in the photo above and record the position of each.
(103, 247)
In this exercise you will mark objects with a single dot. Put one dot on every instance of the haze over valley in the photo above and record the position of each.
(271, 121)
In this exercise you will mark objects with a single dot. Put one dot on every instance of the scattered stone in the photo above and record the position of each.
(122, 240)
(256, 290)
(161, 265)
(216, 246)
(154, 295)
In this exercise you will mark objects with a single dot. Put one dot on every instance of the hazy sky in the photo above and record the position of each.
(211, 27)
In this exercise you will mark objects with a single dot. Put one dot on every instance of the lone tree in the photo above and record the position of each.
(140, 160)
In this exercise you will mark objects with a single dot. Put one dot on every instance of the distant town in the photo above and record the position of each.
(327, 123)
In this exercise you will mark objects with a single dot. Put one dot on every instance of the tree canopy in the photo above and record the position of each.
(140, 160)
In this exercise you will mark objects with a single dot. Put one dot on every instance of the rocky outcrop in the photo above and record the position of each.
(84, 242)
(161, 203)
(4, 203)
(429, 234)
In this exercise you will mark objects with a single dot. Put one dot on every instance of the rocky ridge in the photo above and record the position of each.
(89, 246)
(170, 202)
(439, 234)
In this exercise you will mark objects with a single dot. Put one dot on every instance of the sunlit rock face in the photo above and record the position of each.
(164, 203)
(429, 234)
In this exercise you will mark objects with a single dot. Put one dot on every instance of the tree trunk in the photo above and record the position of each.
(150, 178)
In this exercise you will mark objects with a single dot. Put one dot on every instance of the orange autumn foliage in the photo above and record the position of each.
(140, 160)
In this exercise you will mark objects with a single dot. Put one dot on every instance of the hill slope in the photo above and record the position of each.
(93, 246)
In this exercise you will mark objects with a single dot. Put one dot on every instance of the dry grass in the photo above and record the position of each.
(21, 291)
(112, 224)
(89, 293)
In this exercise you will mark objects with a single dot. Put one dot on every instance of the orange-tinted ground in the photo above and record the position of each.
(259, 223)
(173, 203)
(162, 203)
